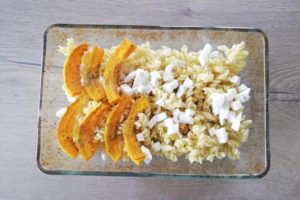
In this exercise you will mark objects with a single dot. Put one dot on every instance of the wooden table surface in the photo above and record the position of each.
(21, 40)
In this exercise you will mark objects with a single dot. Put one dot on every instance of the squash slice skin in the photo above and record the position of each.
(132, 146)
(87, 146)
(91, 74)
(111, 71)
(68, 126)
(71, 71)
(113, 141)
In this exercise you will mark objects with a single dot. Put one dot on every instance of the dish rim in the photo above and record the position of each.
(163, 175)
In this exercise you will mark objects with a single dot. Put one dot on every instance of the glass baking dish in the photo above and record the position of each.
(255, 156)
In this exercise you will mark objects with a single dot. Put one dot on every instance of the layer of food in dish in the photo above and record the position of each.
(135, 102)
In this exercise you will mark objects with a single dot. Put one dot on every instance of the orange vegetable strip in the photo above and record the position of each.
(87, 146)
(111, 71)
(71, 71)
(132, 146)
(68, 126)
(113, 141)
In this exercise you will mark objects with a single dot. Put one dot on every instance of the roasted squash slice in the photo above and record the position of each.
(132, 146)
(87, 146)
(68, 127)
(91, 74)
(111, 71)
(71, 72)
(113, 141)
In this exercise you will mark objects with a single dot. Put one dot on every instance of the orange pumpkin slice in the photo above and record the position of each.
(87, 146)
(132, 146)
(71, 72)
(111, 71)
(91, 74)
(113, 141)
(68, 127)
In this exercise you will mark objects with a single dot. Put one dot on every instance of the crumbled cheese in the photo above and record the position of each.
(242, 88)
(236, 122)
(157, 118)
(176, 114)
(171, 126)
(224, 112)
(161, 102)
(186, 117)
(140, 137)
(170, 86)
(217, 102)
(156, 146)
(130, 76)
(235, 79)
(222, 135)
(187, 84)
(126, 89)
(204, 55)
(231, 116)
(244, 96)
(231, 93)
(236, 105)
(143, 89)
(61, 112)
(141, 78)
(147, 153)
(168, 74)
(154, 80)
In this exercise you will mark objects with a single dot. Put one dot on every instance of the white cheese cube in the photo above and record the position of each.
(224, 112)
(217, 102)
(236, 105)
(235, 125)
(126, 89)
(140, 137)
(157, 118)
(130, 76)
(231, 93)
(168, 74)
(176, 114)
(222, 135)
(61, 112)
(154, 78)
(147, 153)
(141, 78)
(170, 86)
(242, 88)
(235, 79)
(204, 55)
(244, 96)
(171, 126)
(161, 102)
(187, 84)
(143, 89)
(183, 119)
(190, 112)
(156, 146)
(231, 116)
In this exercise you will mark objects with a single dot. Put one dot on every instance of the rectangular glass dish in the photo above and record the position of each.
(255, 156)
